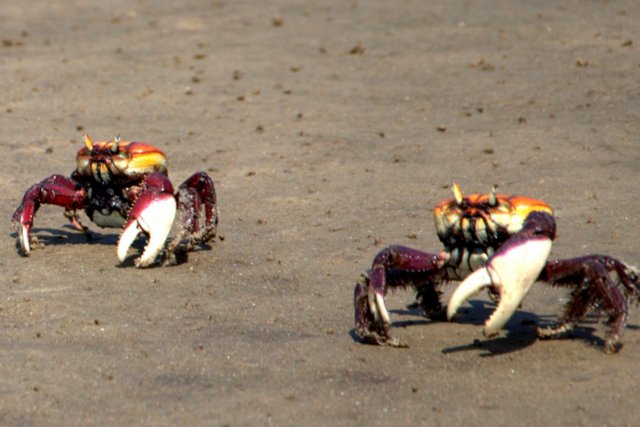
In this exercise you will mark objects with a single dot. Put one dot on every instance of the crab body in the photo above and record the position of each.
(124, 184)
(502, 243)
(472, 228)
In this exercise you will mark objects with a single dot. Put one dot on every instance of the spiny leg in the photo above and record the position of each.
(428, 298)
(596, 289)
(576, 308)
(197, 193)
(393, 267)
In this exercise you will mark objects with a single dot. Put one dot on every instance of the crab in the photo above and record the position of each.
(501, 243)
(125, 184)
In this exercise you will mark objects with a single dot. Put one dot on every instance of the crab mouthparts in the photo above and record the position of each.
(512, 270)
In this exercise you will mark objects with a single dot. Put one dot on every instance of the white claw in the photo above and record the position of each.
(512, 271)
(24, 240)
(378, 308)
(384, 314)
(373, 306)
(156, 221)
(127, 237)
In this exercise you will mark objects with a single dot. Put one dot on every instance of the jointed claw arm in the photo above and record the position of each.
(56, 190)
(394, 266)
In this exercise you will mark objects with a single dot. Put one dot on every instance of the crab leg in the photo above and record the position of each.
(55, 190)
(595, 286)
(197, 193)
(512, 270)
(394, 266)
(153, 214)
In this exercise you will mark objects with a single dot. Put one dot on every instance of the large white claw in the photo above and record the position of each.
(512, 271)
(155, 220)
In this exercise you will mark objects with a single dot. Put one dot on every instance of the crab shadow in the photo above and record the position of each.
(519, 333)
(67, 235)
(519, 329)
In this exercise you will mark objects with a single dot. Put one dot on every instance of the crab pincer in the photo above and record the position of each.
(152, 214)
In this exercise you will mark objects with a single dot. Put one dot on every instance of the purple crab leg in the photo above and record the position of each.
(594, 286)
(394, 266)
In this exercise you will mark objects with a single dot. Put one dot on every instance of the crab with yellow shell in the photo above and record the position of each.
(502, 243)
(125, 184)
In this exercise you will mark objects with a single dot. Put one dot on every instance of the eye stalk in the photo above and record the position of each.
(493, 200)
(116, 144)
(88, 142)
(457, 194)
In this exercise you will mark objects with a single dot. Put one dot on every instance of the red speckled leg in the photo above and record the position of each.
(194, 195)
(56, 190)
